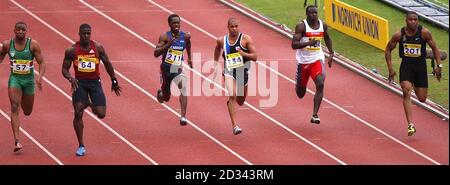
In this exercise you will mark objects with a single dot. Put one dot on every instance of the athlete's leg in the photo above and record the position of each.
(421, 93)
(163, 94)
(241, 86)
(230, 85)
(78, 124)
(302, 77)
(15, 97)
(97, 98)
(407, 88)
(27, 103)
(180, 80)
(319, 93)
(80, 101)
(421, 82)
(241, 98)
(27, 97)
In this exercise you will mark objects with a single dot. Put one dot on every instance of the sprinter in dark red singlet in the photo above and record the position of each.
(85, 55)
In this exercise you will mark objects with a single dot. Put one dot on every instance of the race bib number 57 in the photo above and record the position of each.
(21, 66)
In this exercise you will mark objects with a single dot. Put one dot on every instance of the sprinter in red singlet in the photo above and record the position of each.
(85, 55)
(310, 57)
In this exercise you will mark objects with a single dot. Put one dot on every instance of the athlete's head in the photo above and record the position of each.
(20, 29)
(412, 20)
(85, 33)
(233, 27)
(311, 13)
(174, 23)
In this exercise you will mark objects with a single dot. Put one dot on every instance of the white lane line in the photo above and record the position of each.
(34, 140)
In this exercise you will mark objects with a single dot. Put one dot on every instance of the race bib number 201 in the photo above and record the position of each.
(412, 50)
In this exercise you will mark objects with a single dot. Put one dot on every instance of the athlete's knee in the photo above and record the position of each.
(300, 91)
(406, 94)
(183, 90)
(166, 96)
(422, 99)
(15, 107)
(101, 115)
(231, 98)
(319, 85)
(27, 112)
(78, 113)
(240, 100)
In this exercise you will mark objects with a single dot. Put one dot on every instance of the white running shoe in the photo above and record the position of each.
(315, 119)
(237, 130)
(183, 121)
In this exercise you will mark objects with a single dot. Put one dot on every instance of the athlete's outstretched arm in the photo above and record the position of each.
(109, 68)
(67, 62)
(187, 38)
(40, 60)
(387, 54)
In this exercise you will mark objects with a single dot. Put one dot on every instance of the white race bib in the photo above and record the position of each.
(86, 64)
(234, 60)
(21, 66)
(174, 57)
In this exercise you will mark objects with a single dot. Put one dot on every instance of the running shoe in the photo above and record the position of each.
(81, 151)
(159, 96)
(237, 130)
(183, 121)
(17, 147)
(315, 119)
(411, 129)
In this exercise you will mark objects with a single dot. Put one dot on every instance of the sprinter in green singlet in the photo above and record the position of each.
(21, 51)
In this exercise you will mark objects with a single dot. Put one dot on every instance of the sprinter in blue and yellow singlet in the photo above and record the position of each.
(171, 46)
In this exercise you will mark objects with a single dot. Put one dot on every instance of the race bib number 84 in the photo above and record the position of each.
(174, 57)
(21, 66)
(86, 64)
(234, 60)
(412, 50)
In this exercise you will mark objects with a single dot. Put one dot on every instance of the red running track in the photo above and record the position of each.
(151, 132)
